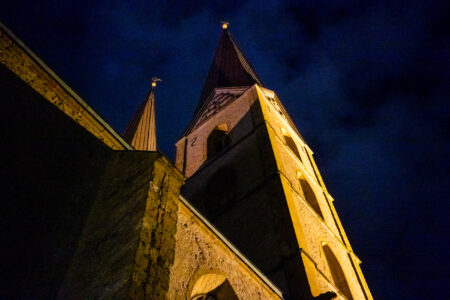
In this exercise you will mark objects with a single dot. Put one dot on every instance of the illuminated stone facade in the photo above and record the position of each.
(26, 65)
(259, 168)
(243, 214)
(315, 227)
(199, 252)
(91, 217)
(251, 173)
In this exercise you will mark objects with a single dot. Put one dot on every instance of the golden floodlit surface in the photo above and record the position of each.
(243, 214)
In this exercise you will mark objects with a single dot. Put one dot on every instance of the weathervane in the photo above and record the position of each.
(155, 80)
(224, 24)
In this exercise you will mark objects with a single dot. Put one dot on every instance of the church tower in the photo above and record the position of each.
(250, 172)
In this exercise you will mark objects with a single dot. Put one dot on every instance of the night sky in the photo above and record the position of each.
(367, 84)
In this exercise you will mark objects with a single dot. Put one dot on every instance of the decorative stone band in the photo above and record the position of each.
(217, 100)
(32, 70)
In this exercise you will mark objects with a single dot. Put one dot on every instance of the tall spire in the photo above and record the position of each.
(229, 67)
(141, 131)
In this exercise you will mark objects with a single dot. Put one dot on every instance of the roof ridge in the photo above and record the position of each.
(245, 62)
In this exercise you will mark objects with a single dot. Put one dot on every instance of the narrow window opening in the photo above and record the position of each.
(310, 197)
(217, 141)
(291, 144)
(337, 273)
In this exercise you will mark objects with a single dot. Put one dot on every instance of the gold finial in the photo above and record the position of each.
(224, 24)
(154, 81)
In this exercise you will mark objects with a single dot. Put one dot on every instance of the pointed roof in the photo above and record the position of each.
(141, 131)
(229, 68)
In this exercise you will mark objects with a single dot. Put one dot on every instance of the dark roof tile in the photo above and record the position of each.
(229, 68)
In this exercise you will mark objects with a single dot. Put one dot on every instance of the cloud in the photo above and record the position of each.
(366, 82)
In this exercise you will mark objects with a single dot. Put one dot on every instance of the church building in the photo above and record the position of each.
(243, 213)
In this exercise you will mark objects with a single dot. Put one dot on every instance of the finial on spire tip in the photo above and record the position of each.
(224, 24)
(154, 81)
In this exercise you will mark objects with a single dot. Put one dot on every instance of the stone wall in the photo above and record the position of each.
(312, 231)
(33, 71)
(50, 170)
(254, 214)
(200, 251)
(192, 150)
(81, 221)
(128, 242)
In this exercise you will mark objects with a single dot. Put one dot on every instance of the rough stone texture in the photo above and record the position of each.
(101, 223)
(259, 173)
(247, 173)
(50, 171)
(127, 245)
(199, 251)
(156, 249)
(316, 234)
(22, 62)
(66, 190)
(290, 166)
(311, 230)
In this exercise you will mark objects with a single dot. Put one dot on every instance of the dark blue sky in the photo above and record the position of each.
(366, 82)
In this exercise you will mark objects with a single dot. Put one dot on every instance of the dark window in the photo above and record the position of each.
(220, 191)
(217, 141)
(310, 197)
(291, 144)
(213, 287)
(336, 272)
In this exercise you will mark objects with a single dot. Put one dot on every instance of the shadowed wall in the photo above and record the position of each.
(50, 170)
(240, 191)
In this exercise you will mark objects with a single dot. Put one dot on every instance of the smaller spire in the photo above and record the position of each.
(224, 24)
(141, 131)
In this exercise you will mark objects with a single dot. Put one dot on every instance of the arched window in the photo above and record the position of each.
(217, 141)
(291, 143)
(337, 273)
(213, 287)
(309, 195)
